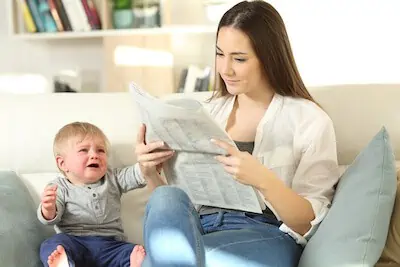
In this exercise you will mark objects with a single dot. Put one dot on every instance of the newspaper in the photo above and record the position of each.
(187, 128)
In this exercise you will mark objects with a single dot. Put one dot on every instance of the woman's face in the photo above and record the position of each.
(237, 63)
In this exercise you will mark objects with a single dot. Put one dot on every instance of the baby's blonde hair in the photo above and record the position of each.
(77, 129)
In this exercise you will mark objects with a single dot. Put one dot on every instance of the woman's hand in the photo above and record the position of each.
(151, 156)
(294, 210)
(243, 166)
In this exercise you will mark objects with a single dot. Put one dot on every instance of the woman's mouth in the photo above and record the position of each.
(231, 82)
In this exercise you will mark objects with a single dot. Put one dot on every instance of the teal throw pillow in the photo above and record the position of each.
(21, 233)
(355, 229)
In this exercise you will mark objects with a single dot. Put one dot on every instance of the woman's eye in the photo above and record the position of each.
(219, 54)
(240, 59)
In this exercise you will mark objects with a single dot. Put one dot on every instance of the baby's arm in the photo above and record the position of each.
(50, 208)
(49, 197)
(128, 178)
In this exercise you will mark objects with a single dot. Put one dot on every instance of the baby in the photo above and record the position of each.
(84, 205)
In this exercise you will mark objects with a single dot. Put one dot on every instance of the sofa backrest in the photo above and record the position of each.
(29, 122)
(358, 112)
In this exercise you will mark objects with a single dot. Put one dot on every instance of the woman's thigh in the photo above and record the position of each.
(243, 241)
(251, 248)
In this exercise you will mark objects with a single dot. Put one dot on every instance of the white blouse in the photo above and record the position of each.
(296, 140)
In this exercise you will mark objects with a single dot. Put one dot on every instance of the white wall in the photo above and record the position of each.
(334, 41)
(342, 41)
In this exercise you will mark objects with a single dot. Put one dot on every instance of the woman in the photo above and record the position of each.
(287, 150)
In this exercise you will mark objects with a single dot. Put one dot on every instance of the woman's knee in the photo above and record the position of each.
(167, 197)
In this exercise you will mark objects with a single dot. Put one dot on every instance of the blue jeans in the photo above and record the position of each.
(175, 235)
(90, 251)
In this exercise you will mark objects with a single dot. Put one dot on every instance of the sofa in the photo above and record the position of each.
(29, 123)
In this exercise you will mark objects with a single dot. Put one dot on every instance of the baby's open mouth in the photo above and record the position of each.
(93, 165)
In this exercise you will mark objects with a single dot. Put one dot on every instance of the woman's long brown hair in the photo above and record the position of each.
(267, 32)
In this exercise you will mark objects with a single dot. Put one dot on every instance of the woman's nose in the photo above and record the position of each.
(227, 67)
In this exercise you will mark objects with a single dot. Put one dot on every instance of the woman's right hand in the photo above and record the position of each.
(152, 155)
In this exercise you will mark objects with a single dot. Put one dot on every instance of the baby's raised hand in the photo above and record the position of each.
(48, 201)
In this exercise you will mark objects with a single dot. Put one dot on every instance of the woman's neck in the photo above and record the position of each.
(260, 99)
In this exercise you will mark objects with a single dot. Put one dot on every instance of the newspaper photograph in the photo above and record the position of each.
(187, 128)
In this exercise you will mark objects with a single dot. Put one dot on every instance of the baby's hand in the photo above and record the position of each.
(49, 197)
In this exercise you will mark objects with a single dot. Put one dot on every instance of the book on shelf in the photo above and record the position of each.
(59, 15)
(27, 16)
(56, 15)
(76, 14)
(92, 14)
(37, 18)
(194, 79)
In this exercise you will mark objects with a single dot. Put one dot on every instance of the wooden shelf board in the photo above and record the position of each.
(186, 29)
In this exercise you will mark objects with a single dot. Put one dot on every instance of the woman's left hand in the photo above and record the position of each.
(243, 166)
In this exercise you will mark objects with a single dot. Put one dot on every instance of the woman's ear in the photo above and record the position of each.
(61, 163)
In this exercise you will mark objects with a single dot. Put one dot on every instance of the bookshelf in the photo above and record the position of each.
(180, 20)
(174, 18)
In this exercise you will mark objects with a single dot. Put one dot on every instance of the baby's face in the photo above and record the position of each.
(85, 160)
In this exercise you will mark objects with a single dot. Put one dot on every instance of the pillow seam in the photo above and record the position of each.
(379, 197)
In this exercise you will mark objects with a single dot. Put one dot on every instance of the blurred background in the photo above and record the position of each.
(168, 46)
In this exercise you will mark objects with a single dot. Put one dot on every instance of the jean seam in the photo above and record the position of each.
(246, 241)
(257, 221)
(193, 211)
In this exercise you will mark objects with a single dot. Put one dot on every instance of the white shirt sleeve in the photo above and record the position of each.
(317, 172)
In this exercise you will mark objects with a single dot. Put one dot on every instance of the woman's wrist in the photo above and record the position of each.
(155, 181)
(267, 182)
(157, 178)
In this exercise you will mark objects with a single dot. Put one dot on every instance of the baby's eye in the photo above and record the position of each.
(102, 150)
(83, 150)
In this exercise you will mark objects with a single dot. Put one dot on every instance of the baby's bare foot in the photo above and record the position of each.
(137, 256)
(58, 258)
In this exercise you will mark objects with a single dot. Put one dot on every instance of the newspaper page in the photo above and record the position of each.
(186, 127)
